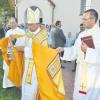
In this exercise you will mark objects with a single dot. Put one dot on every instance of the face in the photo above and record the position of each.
(59, 24)
(12, 23)
(82, 28)
(88, 21)
(32, 27)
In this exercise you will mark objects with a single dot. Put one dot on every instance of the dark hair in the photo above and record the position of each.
(93, 13)
(57, 23)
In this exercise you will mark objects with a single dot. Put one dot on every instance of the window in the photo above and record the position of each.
(88, 4)
(82, 6)
(85, 5)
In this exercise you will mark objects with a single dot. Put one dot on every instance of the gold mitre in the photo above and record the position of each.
(33, 15)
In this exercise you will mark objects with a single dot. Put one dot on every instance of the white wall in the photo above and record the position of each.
(96, 5)
(44, 5)
(66, 10)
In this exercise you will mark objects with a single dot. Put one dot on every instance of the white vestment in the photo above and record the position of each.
(29, 91)
(92, 59)
(6, 82)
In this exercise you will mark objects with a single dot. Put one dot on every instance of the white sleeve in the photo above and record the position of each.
(21, 41)
(71, 53)
(92, 56)
(22, 31)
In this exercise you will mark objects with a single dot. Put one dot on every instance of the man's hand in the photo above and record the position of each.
(60, 49)
(11, 37)
(83, 47)
(20, 48)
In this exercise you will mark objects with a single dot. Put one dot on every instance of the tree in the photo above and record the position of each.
(6, 10)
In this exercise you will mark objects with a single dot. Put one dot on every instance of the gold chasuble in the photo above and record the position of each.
(40, 38)
(48, 69)
(49, 74)
(15, 65)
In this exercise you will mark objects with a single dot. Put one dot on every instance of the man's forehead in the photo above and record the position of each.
(12, 20)
(31, 24)
(86, 14)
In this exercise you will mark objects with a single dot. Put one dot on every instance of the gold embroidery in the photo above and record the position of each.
(29, 72)
(54, 67)
(35, 38)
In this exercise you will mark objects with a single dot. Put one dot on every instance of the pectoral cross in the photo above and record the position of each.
(82, 86)
(83, 89)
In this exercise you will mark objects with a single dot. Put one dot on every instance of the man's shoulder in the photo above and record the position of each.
(59, 30)
(43, 30)
(20, 30)
(98, 28)
(8, 32)
(81, 34)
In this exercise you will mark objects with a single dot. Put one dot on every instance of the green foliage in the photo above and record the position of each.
(11, 93)
(3, 3)
(6, 10)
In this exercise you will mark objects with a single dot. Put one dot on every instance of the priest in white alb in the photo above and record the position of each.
(87, 78)
(14, 30)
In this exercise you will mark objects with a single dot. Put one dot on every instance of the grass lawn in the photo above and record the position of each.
(11, 93)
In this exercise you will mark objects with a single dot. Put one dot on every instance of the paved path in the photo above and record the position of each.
(68, 77)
